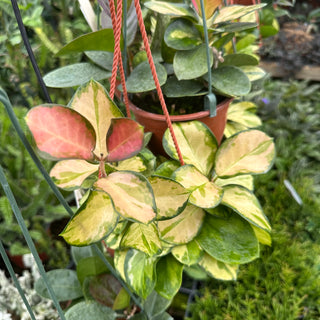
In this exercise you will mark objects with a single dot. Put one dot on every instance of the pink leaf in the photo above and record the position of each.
(61, 133)
(124, 139)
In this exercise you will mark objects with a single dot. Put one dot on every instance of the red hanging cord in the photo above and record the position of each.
(155, 78)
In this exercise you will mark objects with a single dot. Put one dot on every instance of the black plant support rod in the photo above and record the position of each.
(29, 49)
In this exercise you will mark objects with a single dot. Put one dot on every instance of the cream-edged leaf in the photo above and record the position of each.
(94, 220)
(188, 254)
(207, 196)
(119, 262)
(250, 152)
(70, 174)
(190, 177)
(246, 204)
(232, 128)
(131, 194)
(245, 180)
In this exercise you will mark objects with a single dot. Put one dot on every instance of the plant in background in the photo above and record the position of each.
(157, 220)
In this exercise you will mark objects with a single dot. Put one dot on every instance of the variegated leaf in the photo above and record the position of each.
(61, 133)
(133, 164)
(171, 197)
(94, 220)
(263, 236)
(190, 177)
(182, 228)
(232, 128)
(114, 238)
(197, 143)
(169, 276)
(139, 269)
(245, 180)
(167, 168)
(124, 139)
(188, 254)
(70, 174)
(230, 240)
(131, 194)
(250, 152)
(209, 7)
(93, 102)
(217, 269)
(119, 262)
(142, 237)
(246, 204)
(253, 72)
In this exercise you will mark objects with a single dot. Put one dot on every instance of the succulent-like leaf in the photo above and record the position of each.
(231, 240)
(103, 59)
(94, 220)
(124, 139)
(184, 227)
(197, 143)
(247, 152)
(70, 174)
(218, 269)
(195, 59)
(188, 254)
(240, 59)
(190, 177)
(245, 180)
(114, 239)
(93, 102)
(169, 276)
(233, 128)
(246, 204)
(171, 197)
(136, 163)
(263, 236)
(140, 272)
(131, 194)
(253, 72)
(241, 112)
(167, 168)
(142, 237)
(155, 305)
(181, 88)
(61, 133)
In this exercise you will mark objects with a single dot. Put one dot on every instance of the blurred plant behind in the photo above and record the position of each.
(284, 284)
(50, 25)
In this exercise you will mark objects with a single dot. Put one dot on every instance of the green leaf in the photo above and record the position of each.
(263, 236)
(136, 163)
(122, 300)
(103, 59)
(142, 237)
(231, 240)
(131, 194)
(250, 151)
(241, 112)
(197, 143)
(119, 262)
(101, 40)
(75, 75)
(217, 269)
(236, 27)
(155, 305)
(253, 72)
(233, 128)
(64, 282)
(79, 253)
(169, 277)
(181, 34)
(94, 103)
(181, 88)
(94, 220)
(230, 81)
(245, 180)
(209, 7)
(167, 168)
(246, 204)
(70, 174)
(140, 272)
(239, 59)
(61, 133)
(191, 64)
(188, 254)
(89, 311)
(171, 197)
(141, 80)
(190, 221)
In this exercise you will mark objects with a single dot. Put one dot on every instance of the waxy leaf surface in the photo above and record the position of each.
(263, 236)
(217, 269)
(124, 139)
(93, 102)
(94, 220)
(131, 195)
(142, 237)
(197, 143)
(188, 254)
(171, 197)
(61, 133)
(241, 112)
(244, 180)
(70, 174)
(247, 152)
(246, 204)
(231, 240)
(182, 228)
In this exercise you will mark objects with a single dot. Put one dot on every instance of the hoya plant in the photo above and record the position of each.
(157, 219)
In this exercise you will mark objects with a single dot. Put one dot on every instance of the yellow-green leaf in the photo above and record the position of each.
(70, 174)
(133, 164)
(93, 102)
(246, 204)
(206, 196)
(209, 7)
(171, 197)
(142, 237)
(94, 220)
(188, 254)
(218, 269)
(119, 262)
(184, 227)
(245, 180)
(232, 128)
(190, 177)
(253, 72)
(197, 143)
(250, 151)
(263, 236)
(131, 194)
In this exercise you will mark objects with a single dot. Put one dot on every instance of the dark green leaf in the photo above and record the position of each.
(175, 88)
(239, 59)
(155, 304)
(103, 59)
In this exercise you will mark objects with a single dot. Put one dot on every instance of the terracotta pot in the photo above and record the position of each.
(157, 124)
